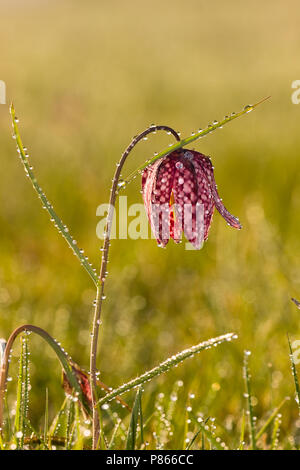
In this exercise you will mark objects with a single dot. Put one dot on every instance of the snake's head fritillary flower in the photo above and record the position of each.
(180, 195)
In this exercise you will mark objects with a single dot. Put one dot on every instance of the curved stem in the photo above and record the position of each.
(62, 355)
(103, 272)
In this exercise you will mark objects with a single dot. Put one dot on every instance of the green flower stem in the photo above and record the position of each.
(103, 271)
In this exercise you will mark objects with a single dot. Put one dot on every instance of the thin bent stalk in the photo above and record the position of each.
(103, 272)
(62, 355)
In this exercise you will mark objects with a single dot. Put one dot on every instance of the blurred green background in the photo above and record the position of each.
(87, 76)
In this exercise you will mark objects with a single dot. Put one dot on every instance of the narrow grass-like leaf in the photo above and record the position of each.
(185, 428)
(132, 430)
(271, 418)
(172, 404)
(8, 422)
(26, 381)
(247, 378)
(22, 394)
(214, 441)
(70, 423)
(121, 428)
(148, 420)
(141, 416)
(18, 415)
(1, 443)
(295, 376)
(189, 446)
(61, 227)
(166, 366)
(242, 436)
(78, 444)
(46, 418)
(61, 354)
(160, 434)
(113, 436)
(58, 426)
(172, 401)
(102, 444)
(275, 433)
(195, 136)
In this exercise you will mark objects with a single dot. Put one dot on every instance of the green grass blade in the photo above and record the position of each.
(275, 433)
(61, 227)
(58, 426)
(242, 436)
(141, 416)
(62, 356)
(271, 418)
(113, 436)
(166, 366)
(185, 428)
(195, 136)
(160, 434)
(132, 430)
(46, 418)
(295, 376)
(78, 444)
(247, 378)
(25, 384)
(214, 441)
(60, 353)
(70, 424)
(189, 446)
(22, 394)
(8, 422)
(18, 416)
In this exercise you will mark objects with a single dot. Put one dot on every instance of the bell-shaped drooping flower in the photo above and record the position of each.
(180, 195)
